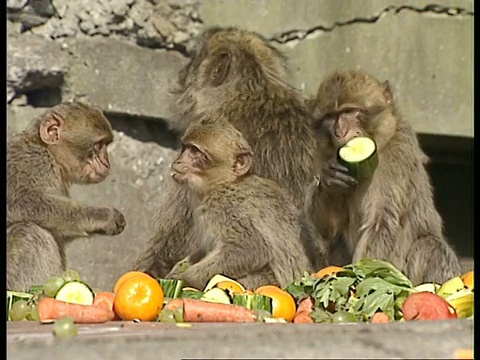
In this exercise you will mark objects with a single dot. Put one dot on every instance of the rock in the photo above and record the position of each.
(33, 63)
(122, 78)
(16, 5)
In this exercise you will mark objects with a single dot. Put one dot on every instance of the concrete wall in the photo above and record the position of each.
(120, 55)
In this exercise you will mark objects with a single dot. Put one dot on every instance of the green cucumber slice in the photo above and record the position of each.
(253, 301)
(76, 292)
(171, 288)
(359, 156)
(216, 295)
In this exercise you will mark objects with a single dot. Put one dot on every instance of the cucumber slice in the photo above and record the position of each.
(253, 301)
(359, 156)
(76, 292)
(171, 288)
(35, 289)
(216, 295)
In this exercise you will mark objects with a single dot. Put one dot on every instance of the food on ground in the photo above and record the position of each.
(283, 304)
(75, 292)
(427, 306)
(139, 297)
(51, 309)
(327, 271)
(126, 276)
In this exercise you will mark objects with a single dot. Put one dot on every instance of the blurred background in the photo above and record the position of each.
(121, 55)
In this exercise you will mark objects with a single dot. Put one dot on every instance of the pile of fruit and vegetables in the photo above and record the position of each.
(369, 291)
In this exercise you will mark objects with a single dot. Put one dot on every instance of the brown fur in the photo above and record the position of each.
(65, 145)
(391, 216)
(248, 227)
(236, 75)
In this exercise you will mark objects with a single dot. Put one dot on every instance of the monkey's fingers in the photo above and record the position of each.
(334, 166)
(337, 178)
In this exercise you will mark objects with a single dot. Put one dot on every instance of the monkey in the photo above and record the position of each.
(235, 74)
(391, 215)
(249, 227)
(65, 145)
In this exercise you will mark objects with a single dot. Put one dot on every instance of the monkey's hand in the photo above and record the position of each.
(335, 177)
(114, 222)
(179, 268)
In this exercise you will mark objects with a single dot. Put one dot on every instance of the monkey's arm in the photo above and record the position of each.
(60, 215)
(172, 238)
(240, 250)
(383, 205)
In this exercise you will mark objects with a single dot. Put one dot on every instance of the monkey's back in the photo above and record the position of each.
(30, 168)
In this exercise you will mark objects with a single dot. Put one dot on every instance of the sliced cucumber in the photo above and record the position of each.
(35, 289)
(171, 288)
(76, 292)
(253, 301)
(359, 156)
(191, 293)
(216, 295)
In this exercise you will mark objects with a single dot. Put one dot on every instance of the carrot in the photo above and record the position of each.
(380, 318)
(302, 317)
(203, 311)
(51, 309)
(104, 299)
(174, 304)
(427, 306)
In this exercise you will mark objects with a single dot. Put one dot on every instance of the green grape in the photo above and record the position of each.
(33, 313)
(52, 285)
(64, 327)
(19, 310)
(71, 275)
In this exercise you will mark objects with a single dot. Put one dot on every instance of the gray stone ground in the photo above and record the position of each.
(145, 341)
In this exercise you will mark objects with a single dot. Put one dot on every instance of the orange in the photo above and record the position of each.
(232, 287)
(467, 279)
(139, 297)
(329, 270)
(283, 304)
(126, 276)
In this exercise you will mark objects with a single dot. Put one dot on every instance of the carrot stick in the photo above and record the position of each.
(380, 318)
(302, 317)
(51, 309)
(174, 304)
(203, 311)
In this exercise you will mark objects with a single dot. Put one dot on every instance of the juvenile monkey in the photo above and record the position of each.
(248, 227)
(65, 145)
(237, 75)
(392, 215)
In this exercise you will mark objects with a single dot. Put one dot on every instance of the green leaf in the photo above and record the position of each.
(341, 287)
(321, 316)
(383, 269)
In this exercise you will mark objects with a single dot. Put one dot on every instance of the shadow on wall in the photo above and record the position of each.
(451, 171)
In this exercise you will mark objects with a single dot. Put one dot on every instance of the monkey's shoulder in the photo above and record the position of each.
(251, 191)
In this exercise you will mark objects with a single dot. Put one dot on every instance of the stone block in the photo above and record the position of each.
(122, 78)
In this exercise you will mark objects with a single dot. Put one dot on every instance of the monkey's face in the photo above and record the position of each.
(97, 163)
(337, 128)
(190, 167)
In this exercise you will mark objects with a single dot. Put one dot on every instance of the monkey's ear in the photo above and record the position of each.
(220, 69)
(243, 162)
(51, 127)
(387, 92)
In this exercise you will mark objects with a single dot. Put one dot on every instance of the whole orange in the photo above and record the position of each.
(139, 297)
(326, 271)
(126, 276)
(283, 304)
